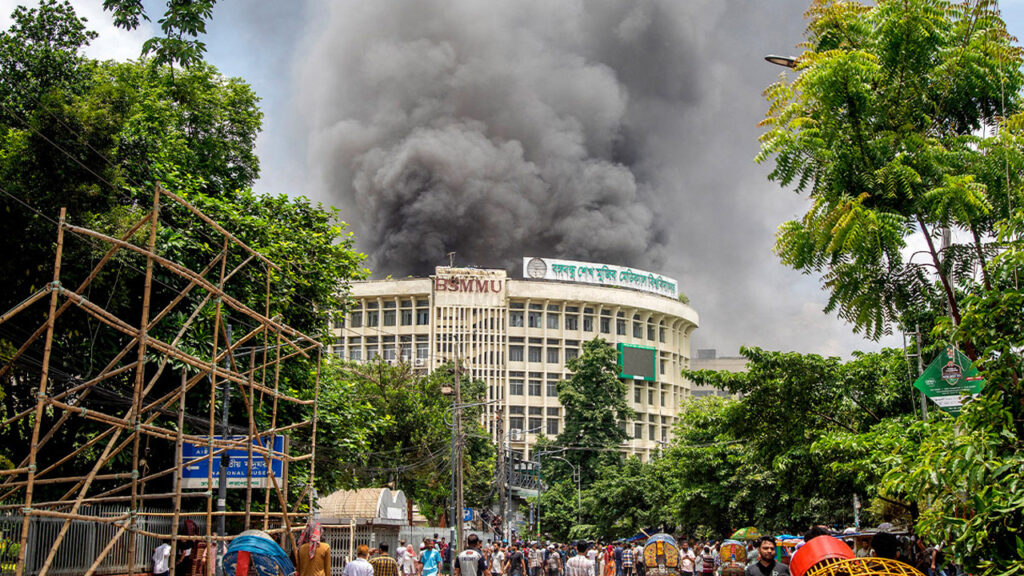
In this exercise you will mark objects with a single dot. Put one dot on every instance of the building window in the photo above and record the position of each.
(552, 427)
(572, 322)
(515, 422)
(661, 333)
(664, 434)
(606, 325)
(339, 351)
(638, 431)
(515, 386)
(636, 394)
(650, 397)
(638, 330)
(389, 317)
(515, 319)
(406, 317)
(662, 398)
(534, 387)
(552, 388)
(553, 411)
(515, 353)
(389, 352)
(650, 331)
(552, 321)
(372, 319)
(536, 424)
(651, 431)
(355, 354)
(571, 354)
(422, 350)
(355, 319)
(422, 316)
(553, 355)
(534, 318)
(588, 323)
(534, 353)
(620, 327)
(663, 363)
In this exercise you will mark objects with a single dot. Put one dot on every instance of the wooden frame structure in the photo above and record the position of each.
(260, 376)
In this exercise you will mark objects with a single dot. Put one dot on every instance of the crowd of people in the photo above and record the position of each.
(434, 557)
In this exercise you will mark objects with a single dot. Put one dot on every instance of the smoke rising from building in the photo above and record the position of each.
(495, 129)
(598, 130)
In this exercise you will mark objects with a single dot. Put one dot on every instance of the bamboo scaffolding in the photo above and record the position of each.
(140, 421)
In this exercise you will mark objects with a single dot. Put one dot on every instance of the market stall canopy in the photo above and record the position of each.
(379, 506)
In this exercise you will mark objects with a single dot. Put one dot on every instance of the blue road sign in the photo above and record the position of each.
(196, 463)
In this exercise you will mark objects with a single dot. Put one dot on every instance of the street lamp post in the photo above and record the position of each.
(785, 61)
(576, 476)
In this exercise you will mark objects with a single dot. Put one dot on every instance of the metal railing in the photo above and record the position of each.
(83, 542)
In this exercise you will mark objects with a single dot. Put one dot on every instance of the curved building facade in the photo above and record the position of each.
(518, 334)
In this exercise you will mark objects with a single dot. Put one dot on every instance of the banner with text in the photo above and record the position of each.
(601, 274)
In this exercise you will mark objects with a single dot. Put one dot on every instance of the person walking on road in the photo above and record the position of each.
(627, 560)
(383, 564)
(471, 561)
(313, 556)
(687, 559)
(580, 564)
(766, 564)
(360, 566)
(497, 560)
(553, 563)
(536, 561)
(430, 560)
(516, 563)
(408, 563)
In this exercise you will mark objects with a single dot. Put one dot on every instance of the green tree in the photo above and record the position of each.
(96, 137)
(881, 127)
(182, 24)
(410, 444)
(905, 119)
(788, 401)
(594, 400)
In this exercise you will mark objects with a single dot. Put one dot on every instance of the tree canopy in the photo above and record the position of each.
(96, 137)
(888, 126)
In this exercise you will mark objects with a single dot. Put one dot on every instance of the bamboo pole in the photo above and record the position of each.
(312, 451)
(252, 433)
(39, 294)
(216, 226)
(85, 284)
(213, 411)
(106, 550)
(40, 397)
(189, 274)
(273, 423)
(178, 470)
(140, 377)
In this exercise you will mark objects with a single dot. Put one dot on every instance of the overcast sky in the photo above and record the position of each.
(621, 132)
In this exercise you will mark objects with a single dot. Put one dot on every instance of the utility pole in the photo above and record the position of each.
(500, 472)
(458, 469)
(225, 459)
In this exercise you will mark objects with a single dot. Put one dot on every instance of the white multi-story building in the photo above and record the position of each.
(517, 335)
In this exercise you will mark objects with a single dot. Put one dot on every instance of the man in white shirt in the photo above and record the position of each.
(162, 559)
(497, 559)
(687, 559)
(579, 565)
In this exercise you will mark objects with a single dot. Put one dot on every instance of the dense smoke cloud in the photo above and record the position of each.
(610, 131)
(495, 129)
